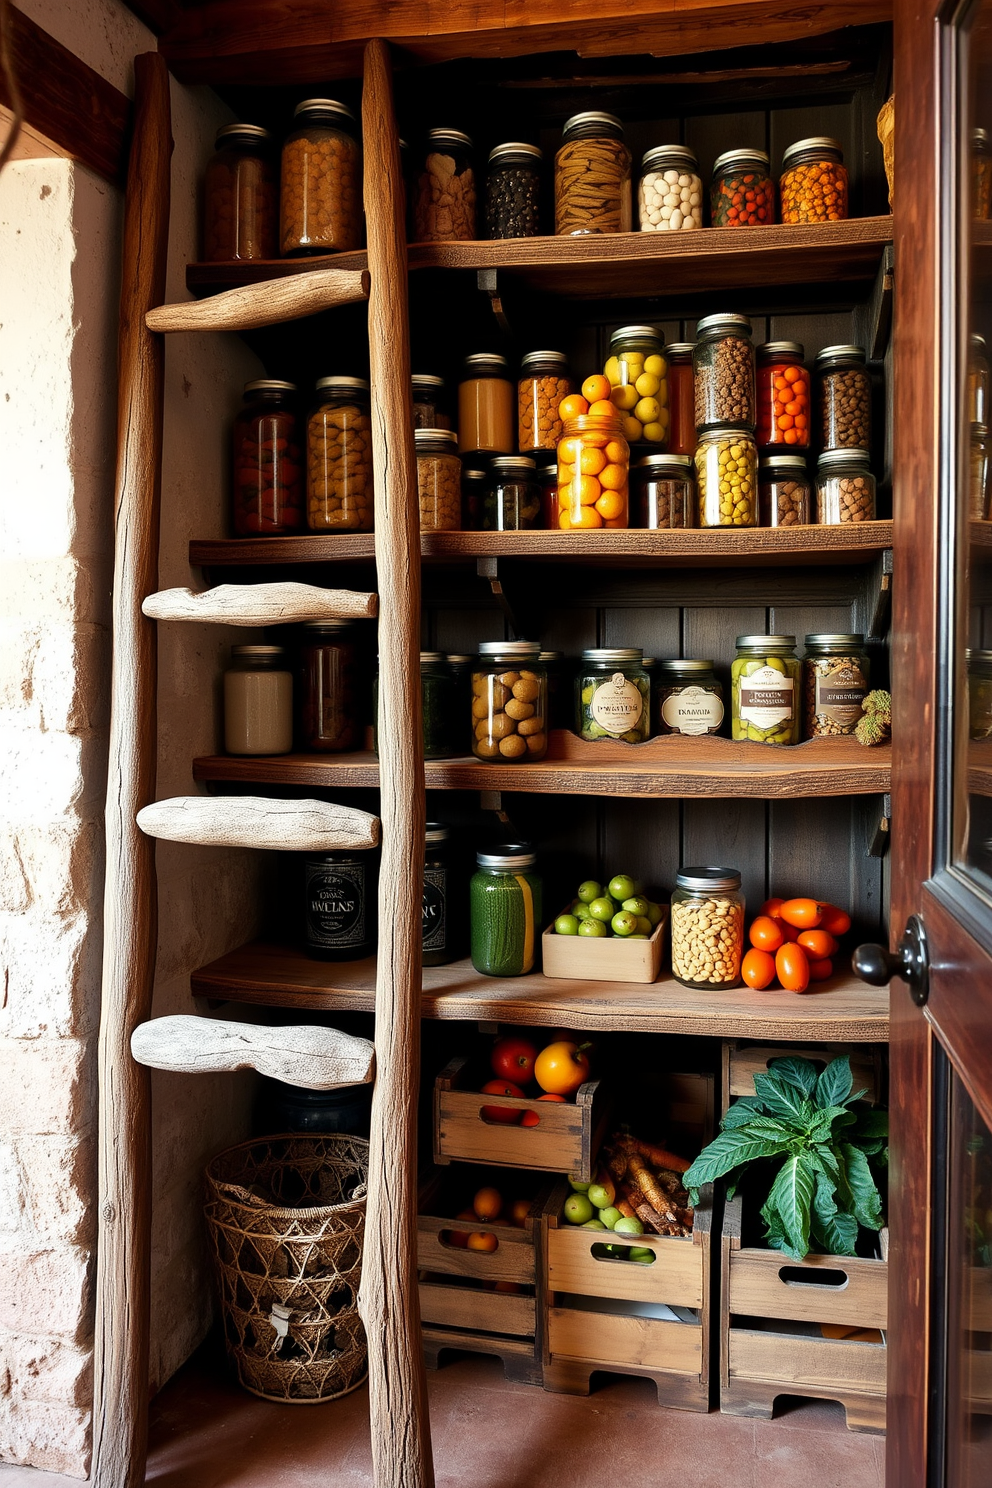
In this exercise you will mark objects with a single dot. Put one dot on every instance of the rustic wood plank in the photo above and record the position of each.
(674, 1278)
(520, 1357)
(481, 1312)
(757, 1289)
(613, 1340)
(513, 1260)
(266, 303)
(314, 1057)
(259, 821)
(799, 1364)
(742, 1061)
(260, 604)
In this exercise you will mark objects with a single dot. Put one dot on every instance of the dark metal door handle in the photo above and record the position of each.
(910, 961)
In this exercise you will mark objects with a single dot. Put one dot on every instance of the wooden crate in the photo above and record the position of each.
(610, 959)
(760, 1363)
(566, 1139)
(742, 1060)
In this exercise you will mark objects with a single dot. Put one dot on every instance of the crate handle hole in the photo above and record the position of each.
(463, 1240)
(801, 1276)
(604, 1251)
(508, 1116)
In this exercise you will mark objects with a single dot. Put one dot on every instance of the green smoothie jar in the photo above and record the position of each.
(765, 682)
(505, 910)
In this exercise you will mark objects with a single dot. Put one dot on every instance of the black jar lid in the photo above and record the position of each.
(592, 125)
(705, 879)
(249, 134)
(516, 150)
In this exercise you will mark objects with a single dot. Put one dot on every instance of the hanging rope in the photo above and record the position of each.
(13, 91)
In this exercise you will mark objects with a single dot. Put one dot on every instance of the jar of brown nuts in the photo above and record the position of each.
(439, 480)
(509, 703)
(785, 496)
(723, 369)
(240, 196)
(543, 382)
(836, 679)
(320, 203)
(845, 398)
(339, 457)
(444, 199)
(845, 488)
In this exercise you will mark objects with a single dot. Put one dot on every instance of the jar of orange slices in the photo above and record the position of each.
(593, 469)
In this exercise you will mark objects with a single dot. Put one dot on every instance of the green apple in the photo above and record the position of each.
(589, 891)
(578, 1187)
(600, 1195)
(594, 1224)
(629, 1226)
(653, 912)
(621, 887)
(566, 924)
(577, 1209)
(636, 906)
(610, 1216)
(643, 925)
(642, 1255)
(624, 923)
(638, 936)
(594, 928)
(580, 910)
(602, 908)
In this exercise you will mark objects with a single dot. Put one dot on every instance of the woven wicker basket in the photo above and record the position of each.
(287, 1220)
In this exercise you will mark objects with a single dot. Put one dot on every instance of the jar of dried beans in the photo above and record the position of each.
(592, 177)
(512, 501)
(513, 192)
(329, 713)
(845, 488)
(444, 206)
(320, 202)
(339, 457)
(727, 476)
(813, 183)
(978, 381)
(981, 174)
(637, 371)
(487, 415)
(681, 398)
(742, 193)
(845, 398)
(665, 491)
(723, 371)
(268, 461)
(783, 395)
(241, 196)
(836, 672)
(978, 472)
(785, 492)
(670, 194)
(544, 381)
(439, 480)
(707, 927)
(428, 402)
(593, 473)
(690, 697)
(510, 703)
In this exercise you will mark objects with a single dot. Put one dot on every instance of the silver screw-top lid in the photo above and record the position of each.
(459, 659)
(613, 653)
(773, 464)
(269, 385)
(449, 137)
(833, 460)
(765, 642)
(740, 159)
(325, 625)
(509, 855)
(707, 879)
(725, 324)
(534, 358)
(486, 361)
(685, 668)
(655, 464)
(258, 651)
(434, 437)
(249, 132)
(832, 355)
(427, 657)
(436, 832)
(673, 156)
(636, 333)
(770, 350)
(508, 464)
(817, 144)
(323, 106)
(509, 650)
(551, 656)
(610, 123)
(342, 385)
(675, 350)
(977, 341)
(501, 152)
(849, 639)
(426, 379)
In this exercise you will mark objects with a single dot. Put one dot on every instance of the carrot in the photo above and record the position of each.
(660, 1157)
(626, 1209)
(645, 1180)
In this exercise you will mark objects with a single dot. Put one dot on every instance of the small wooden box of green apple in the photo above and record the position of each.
(626, 944)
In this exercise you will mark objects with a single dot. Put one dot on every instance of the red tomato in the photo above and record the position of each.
(552, 1097)
(792, 968)
(803, 913)
(513, 1059)
(819, 971)
(561, 1068)
(758, 969)
(837, 921)
(818, 943)
(766, 934)
(505, 1115)
(530, 1118)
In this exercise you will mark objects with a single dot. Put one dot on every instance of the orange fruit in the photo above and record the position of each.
(766, 934)
(603, 408)
(572, 406)
(596, 387)
(819, 945)
(610, 505)
(591, 461)
(613, 477)
(632, 429)
(565, 520)
(836, 921)
(792, 967)
(480, 1240)
(615, 452)
(562, 1067)
(530, 1118)
(587, 488)
(569, 450)
(802, 913)
(487, 1203)
(586, 516)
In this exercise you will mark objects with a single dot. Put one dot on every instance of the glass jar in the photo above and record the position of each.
(444, 206)
(690, 698)
(592, 177)
(813, 183)
(785, 492)
(339, 457)
(462, 669)
(765, 682)
(593, 442)
(268, 464)
(544, 381)
(340, 896)
(707, 927)
(979, 694)
(845, 488)
(443, 935)
(727, 476)
(428, 399)
(978, 380)
(845, 398)
(670, 193)
(981, 174)
(978, 472)
(547, 479)
(559, 690)
(513, 497)
(723, 371)
(487, 422)
(513, 192)
(505, 910)
(290, 1108)
(637, 371)
(240, 218)
(783, 397)
(329, 713)
(439, 480)
(742, 193)
(666, 491)
(510, 703)
(320, 198)
(836, 673)
(474, 485)
(439, 708)
(681, 398)
(258, 701)
(613, 695)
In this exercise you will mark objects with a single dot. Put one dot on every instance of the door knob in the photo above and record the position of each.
(910, 961)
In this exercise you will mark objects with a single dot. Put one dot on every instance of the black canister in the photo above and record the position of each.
(340, 904)
(443, 934)
(290, 1108)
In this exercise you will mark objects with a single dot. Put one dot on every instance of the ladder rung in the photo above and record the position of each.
(259, 821)
(261, 604)
(316, 1058)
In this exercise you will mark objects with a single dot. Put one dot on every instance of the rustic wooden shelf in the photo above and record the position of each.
(842, 1010)
(672, 766)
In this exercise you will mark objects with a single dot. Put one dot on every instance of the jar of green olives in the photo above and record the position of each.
(765, 682)
(613, 695)
(691, 698)
(509, 703)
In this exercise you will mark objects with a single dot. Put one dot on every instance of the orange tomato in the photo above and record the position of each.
(804, 914)
(820, 970)
(766, 934)
(530, 1118)
(572, 406)
(460, 1237)
(772, 907)
(481, 1240)
(837, 921)
(596, 388)
(792, 967)
(552, 1097)
(487, 1203)
(519, 1212)
(818, 944)
(561, 1068)
(758, 969)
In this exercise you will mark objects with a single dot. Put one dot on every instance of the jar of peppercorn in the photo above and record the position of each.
(240, 196)
(723, 371)
(329, 722)
(513, 192)
(742, 193)
(268, 461)
(681, 399)
(543, 382)
(845, 398)
(782, 384)
(813, 183)
(320, 188)
(785, 494)
(836, 673)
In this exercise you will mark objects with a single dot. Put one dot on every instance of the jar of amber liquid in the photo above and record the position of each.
(593, 474)
(681, 399)
(487, 414)
(813, 183)
(320, 200)
(329, 714)
(241, 196)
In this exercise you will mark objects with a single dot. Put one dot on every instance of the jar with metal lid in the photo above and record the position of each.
(690, 698)
(487, 422)
(813, 183)
(670, 194)
(981, 174)
(783, 396)
(267, 461)
(241, 214)
(547, 479)
(474, 486)
(979, 694)
(559, 689)
(727, 476)
(543, 382)
(978, 380)
(462, 669)
(320, 199)
(439, 480)
(439, 705)
(513, 192)
(613, 695)
(650, 665)
(785, 492)
(593, 442)
(845, 488)
(765, 681)
(428, 402)
(340, 892)
(707, 927)
(723, 371)
(442, 916)
(330, 721)
(665, 490)
(681, 398)
(512, 501)
(339, 457)
(742, 193)
(836, 680)
(845, 398)
(510, 703)
(506, 910)
(637, 371)
(978, 472)
(444, 206)
(258, 701)
(592, 177)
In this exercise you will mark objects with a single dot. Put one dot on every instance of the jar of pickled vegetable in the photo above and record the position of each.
(707, 927)
(978, 472)
(512, 502)
(592, 177)
(670, 194)
(441, 919)
(320, 203)
(547, 479)
(444, 202)
(513, 192)
(690, 698)
(813, 183)
(241, 196)
(487, 414)
(637, 371)
(979, 694)
(845, 488)
(559, 689)
(544, 381)
(474, 486)
(723, 371)
(665, 491)
(510, 703)
(742, 193)
(593, 473)
(785, 493)
(439, 706)
(727, 476)
(782, 396)
(978, 381)
(439, 480)
(681, 398)
(765, 682)
(836, 672)
(329, 714)
(981, 174)
(506, 910)
(613, 695)
(428, 402)
(339, 457)
(268, 461)
(845, 398)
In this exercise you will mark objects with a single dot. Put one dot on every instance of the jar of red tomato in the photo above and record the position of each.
(268, 462)
(742, 193)
(782, 385)
(681, 399)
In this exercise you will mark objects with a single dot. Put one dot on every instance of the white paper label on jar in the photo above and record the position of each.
(766, 698)
(692, 710)
(617, 705)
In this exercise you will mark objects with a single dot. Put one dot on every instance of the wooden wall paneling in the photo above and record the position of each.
(804, 620)
(571, 631)
(567, 832)
(813, 331)
(729, 834)
(711, 635)
(657, 631)
(712, 134)
(642, 838)
(461, 631)
(787, 125)
(819, 848)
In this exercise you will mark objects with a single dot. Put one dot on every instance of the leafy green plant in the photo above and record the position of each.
(825, 1188)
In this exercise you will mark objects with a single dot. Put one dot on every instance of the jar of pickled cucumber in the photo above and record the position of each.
(339, 457)
(509, 703)
(593, 473)
(637, 371)
(765, 682)
(727, 476)
(505, 910)
(613, 695)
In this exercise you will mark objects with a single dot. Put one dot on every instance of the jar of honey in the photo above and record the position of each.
(487, 412)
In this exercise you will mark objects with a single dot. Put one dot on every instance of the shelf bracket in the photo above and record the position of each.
(489, 284)
(488, 568)
(879, 845)
(882, 612)
(493, 801)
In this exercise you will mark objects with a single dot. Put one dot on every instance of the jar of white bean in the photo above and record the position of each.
(707, 927)
(670, 195)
